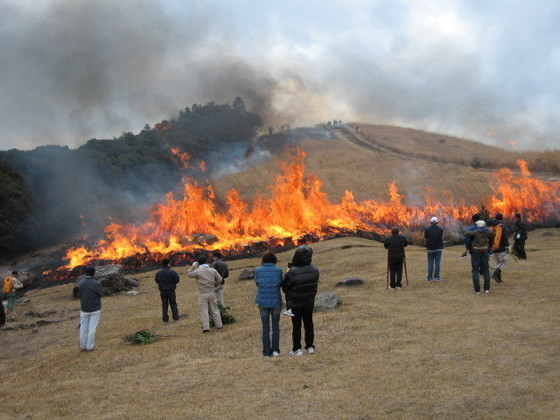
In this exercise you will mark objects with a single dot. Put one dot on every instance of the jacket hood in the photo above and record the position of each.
(302, 256)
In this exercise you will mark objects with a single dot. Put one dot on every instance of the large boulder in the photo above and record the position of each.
(111, 277)
(327, 301)
(247, 273)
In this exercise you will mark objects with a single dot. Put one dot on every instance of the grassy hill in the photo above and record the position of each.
(427, 351)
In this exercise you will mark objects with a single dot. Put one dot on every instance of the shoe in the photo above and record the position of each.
(429, 279)
(310, 350)
(487, 291)
(205, 331)
(288, 312)
(275, 354)
(398, 287)
(476, 293)
(392, 288)
(437, 279)
(298, 352)
(93, 349)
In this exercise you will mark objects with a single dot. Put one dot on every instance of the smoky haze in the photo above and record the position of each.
(75, 70)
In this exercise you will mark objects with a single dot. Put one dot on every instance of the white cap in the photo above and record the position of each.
(434, 220)
(480, 223)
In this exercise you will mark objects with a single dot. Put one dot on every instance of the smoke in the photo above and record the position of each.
(75, 69)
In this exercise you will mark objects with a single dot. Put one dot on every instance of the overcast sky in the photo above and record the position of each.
(481, 69)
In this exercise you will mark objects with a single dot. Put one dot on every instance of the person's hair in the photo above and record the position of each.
(269, 257)
(499, 216)
(475, 217)
(90, 271)
(202, 259)
(165, 262)
(395, 231)
(14, 273)
(217, 254)
(518, 215)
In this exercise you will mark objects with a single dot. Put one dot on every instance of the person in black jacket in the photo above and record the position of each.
(91, 291)
(395, 245)
(434, 245)
(167, 280)
(300, 286)
(519, 237)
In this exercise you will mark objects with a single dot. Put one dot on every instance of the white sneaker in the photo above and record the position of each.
(310, 350)
(298, 352)
(275, 354)
(487, 291)
(288, 312)
(399, 288)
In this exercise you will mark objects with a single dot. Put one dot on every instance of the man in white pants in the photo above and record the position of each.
(90, 303)
(207, 279)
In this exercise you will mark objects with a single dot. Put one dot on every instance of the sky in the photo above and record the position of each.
(485, 70)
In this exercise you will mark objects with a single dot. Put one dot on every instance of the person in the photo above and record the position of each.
(395, 257)
(2, 314)
(481, 243)
(300, 285)
(288, 311)
(500, 247)
(222, 268)
(167, 280)
(434, 245)
(269, 278)
(10, 287)
(207, 279)
(468, 240)
(519, 237)
(91, 291)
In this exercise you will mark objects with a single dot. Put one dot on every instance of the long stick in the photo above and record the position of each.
(405, 271)
(387, 272)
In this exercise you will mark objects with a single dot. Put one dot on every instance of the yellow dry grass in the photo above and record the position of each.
(431, 350)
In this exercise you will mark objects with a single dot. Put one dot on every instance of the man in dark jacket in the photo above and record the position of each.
(434, 245)
(167, 280)
(300, 286)
(222, 268)
(395, 257)
(91, 291)
(481, 240)
(519, 237)
(500, 247)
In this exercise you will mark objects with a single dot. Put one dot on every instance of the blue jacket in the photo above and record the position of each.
(269, 279)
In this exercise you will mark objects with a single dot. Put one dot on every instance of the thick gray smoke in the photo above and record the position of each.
(71, 70)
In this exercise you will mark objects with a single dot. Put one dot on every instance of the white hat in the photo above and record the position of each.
(480, 223)
(434, 220)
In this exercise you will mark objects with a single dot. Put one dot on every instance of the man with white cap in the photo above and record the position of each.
(482, 239)
(434, 245)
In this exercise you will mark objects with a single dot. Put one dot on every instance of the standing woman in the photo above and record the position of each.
(269, 279)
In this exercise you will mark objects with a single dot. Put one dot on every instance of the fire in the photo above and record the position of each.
(296, 209)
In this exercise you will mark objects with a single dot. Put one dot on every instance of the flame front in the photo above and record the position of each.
(298, 207)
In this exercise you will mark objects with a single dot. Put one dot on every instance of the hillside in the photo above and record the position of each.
(427, 351)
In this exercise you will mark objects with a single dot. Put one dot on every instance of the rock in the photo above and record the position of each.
(47, 321)
(350, 281)
(327, 301)
(41, 314)
(547, 233)
(111, 277)
(247, 273)
(130, 282)
(133, 292)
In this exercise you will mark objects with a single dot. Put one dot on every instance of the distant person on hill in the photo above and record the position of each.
(500, 246)
(434, 245)
(207, 279)
(269, 278)
(519, 237)
(90, 304)
(395, 245)
(300, 285)
(10, 287)
(481, 244)
(167, 280)
(222, 268)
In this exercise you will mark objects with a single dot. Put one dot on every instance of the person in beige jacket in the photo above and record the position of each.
(208, 279)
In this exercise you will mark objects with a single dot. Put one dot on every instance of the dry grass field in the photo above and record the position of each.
(430, 350)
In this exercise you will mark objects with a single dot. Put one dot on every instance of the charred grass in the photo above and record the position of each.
(431, 350)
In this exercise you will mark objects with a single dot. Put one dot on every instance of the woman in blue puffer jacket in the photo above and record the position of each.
(269, 279)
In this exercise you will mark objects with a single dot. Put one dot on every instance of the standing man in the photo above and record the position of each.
(167, 280)
(207, 279)
(222, 268)
(395, 256)
(10, 287)
(481, 243)
(434, 245)
(90, 303)
(519, 237)
(300, 285)
(500, 247)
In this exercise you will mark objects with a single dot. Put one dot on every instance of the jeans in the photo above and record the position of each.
(11, 300)
(479, 263)
(268, 316)
(305, 315)
(168, 298)
(88, 325)
(434, 259)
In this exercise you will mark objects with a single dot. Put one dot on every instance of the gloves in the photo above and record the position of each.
(518, 236)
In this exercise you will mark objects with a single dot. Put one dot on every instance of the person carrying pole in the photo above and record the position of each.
(395, 245)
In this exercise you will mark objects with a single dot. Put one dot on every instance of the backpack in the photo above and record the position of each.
(8, 285)
(498, 230)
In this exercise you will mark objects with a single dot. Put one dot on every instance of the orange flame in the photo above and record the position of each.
(298, 207)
